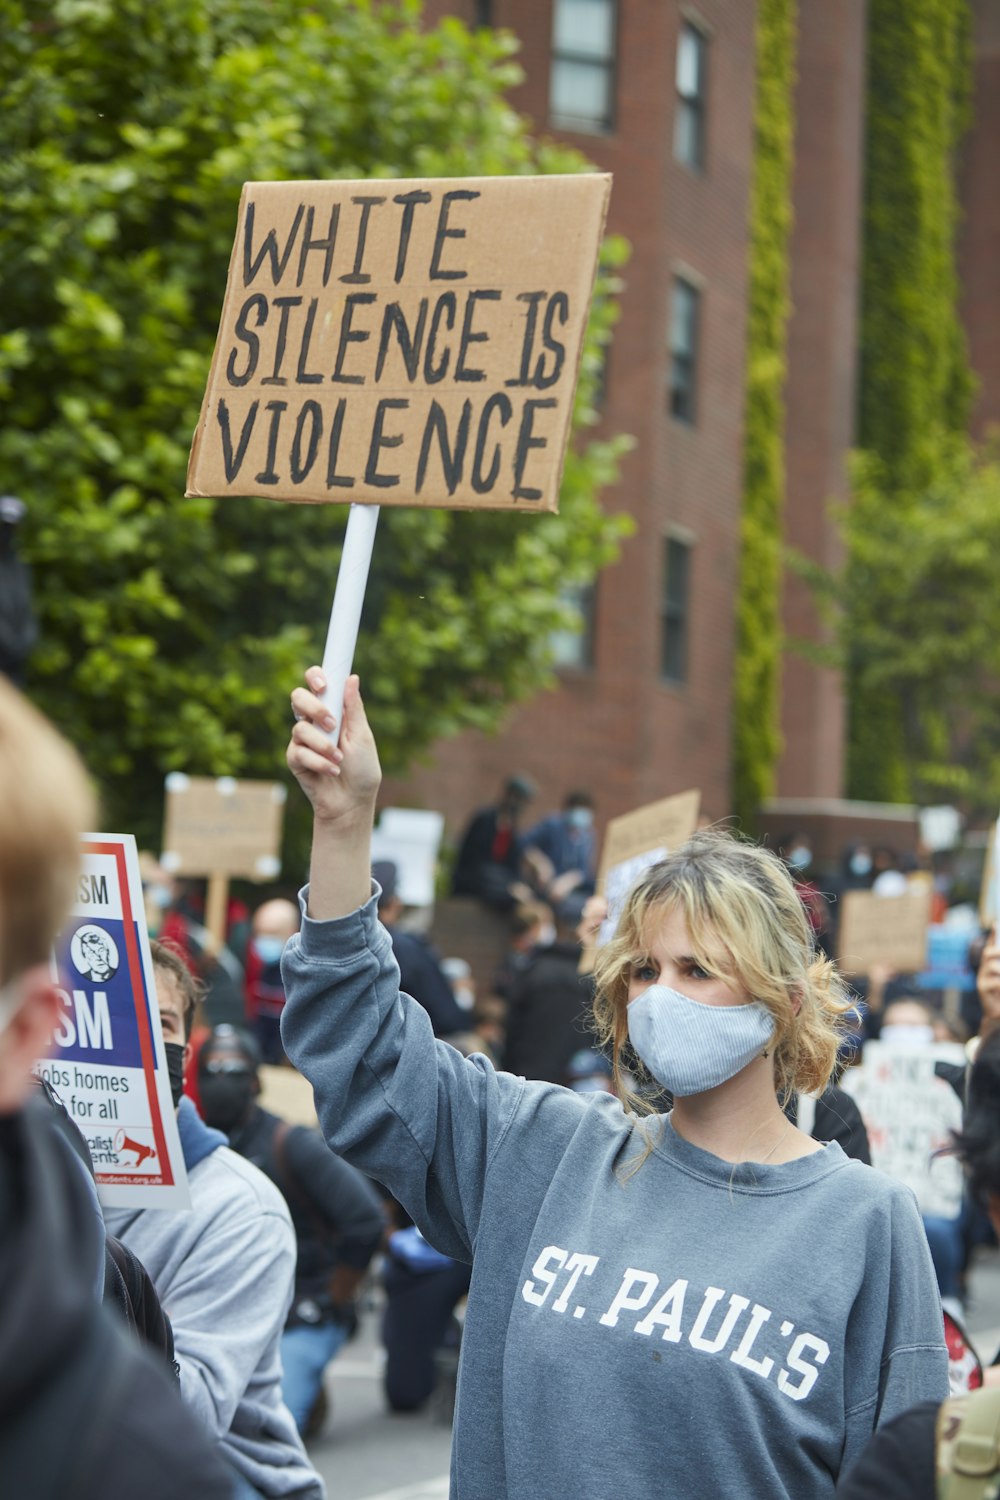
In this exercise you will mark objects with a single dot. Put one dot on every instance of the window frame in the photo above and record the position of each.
(676, 612)
(682, 277)
(696, 104)
(578, 124)
(585, 603)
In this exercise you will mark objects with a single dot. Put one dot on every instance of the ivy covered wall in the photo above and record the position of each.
(915, 384)
(756, 737)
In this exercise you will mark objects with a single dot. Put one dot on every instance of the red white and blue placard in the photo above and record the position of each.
(107, 1063)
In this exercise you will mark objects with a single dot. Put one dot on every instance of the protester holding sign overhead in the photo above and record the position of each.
(649, 1313)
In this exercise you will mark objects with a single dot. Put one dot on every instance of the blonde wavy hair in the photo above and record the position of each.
(747, 924)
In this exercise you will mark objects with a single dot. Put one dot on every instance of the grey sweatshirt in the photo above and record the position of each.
(223, 1271)
(694, 1329)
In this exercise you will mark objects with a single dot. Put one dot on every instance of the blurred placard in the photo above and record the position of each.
(632, 843)
(940, 827)
(107, 1062)
(287, 1094)
(884, 931)
(989, 892)
(223, 827)
(909, 1114)
(410, 838)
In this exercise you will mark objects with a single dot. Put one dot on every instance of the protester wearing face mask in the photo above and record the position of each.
(273, 924)
(336, 1212)
(706, 1302)
(223, 1269)
(796, 851)
(560, 852)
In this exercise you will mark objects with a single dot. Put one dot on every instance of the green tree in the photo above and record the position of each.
(756, 735)
(932, 649)
(174, 628)
(915, 381)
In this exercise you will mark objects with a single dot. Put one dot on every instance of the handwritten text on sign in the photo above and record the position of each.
(409, 343)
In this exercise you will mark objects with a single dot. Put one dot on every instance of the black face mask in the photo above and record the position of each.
(225, 1099)
(175, 1069)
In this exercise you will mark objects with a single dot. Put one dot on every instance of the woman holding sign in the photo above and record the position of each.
(705, 1302)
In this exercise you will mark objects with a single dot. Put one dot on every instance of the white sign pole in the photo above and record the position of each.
(348, 598)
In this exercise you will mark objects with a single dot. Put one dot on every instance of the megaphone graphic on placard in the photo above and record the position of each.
(142, 1153)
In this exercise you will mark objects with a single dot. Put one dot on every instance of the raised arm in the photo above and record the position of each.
(342, 784)
(411, 1112)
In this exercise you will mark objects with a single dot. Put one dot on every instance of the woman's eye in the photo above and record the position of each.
(643, 972)
(695, 971)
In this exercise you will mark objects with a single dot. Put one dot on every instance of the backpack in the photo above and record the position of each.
(968, 1446)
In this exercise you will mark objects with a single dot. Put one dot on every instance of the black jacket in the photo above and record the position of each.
(899, 1462)
(84, 1412)
(837, 1118)
(547, 1014)
(421, 975)
(336, 1211)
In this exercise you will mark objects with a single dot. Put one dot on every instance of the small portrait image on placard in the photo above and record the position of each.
(94, 954)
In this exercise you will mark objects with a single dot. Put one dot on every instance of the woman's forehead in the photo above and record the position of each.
(665, 930)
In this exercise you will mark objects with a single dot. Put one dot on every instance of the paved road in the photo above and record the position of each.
(367, 1454)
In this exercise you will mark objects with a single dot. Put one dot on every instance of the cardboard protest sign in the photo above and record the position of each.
(989, 892)
(108, 1065)
(401, 342)
(284, 1092)
(223, 827)
(632, 843)
(410, 838)
(886, 931)
(909, 1114)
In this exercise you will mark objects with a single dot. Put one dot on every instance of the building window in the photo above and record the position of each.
(581, 95)
(685, 317)
(674, 608)
(692, 75)
(573, 647)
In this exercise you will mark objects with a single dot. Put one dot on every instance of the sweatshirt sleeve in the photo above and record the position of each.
(227, 1304)
(408, 1110)
(913, 1361)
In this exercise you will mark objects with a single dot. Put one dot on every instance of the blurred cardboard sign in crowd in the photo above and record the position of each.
(219, 826)
(887, 932)
(401, 342)
(632, 843)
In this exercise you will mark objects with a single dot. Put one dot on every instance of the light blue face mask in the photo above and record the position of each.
(689, 1047)
(269, 949)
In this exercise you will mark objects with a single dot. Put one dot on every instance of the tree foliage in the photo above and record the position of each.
(173, 628)
(932, 649)
(915, 382)
(756, 735)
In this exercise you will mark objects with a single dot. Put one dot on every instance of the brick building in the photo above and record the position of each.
(645, 709)
(661, 94)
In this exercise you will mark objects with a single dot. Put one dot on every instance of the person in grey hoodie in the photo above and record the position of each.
(706, 1302)
(224, 1273)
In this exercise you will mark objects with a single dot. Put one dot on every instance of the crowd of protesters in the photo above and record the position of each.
(485, 1158)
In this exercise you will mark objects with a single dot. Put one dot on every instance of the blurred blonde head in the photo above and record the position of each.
(747, 924)
(45, 804)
